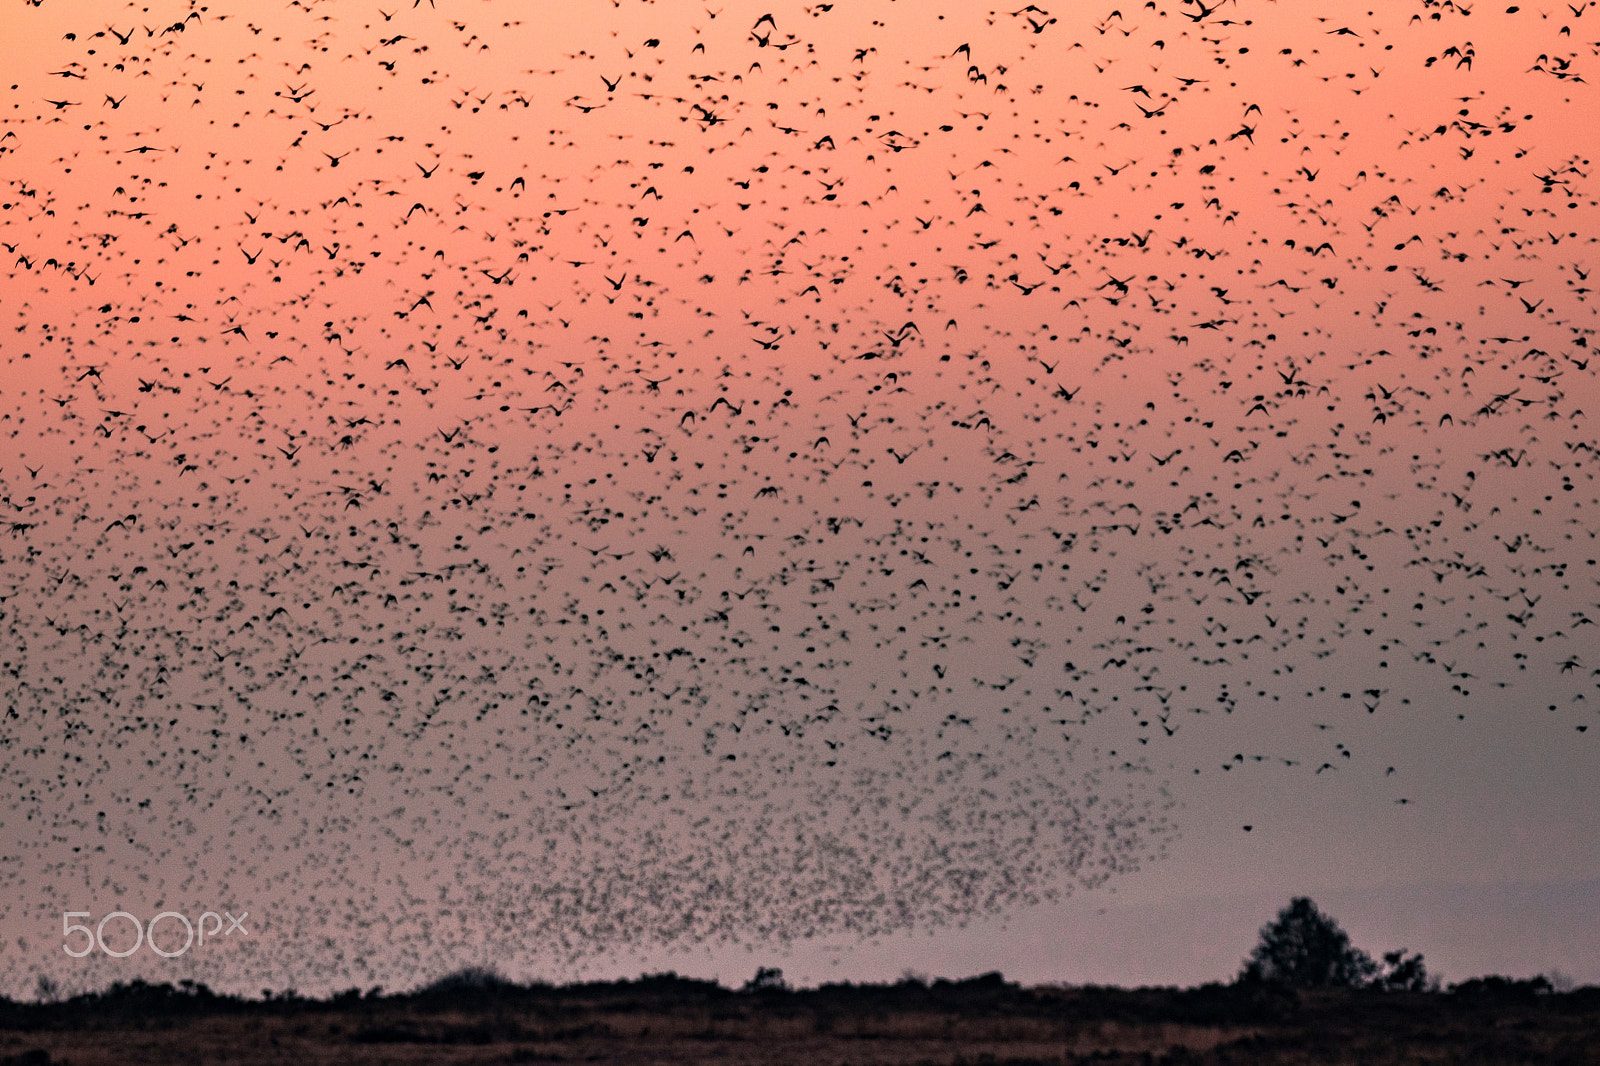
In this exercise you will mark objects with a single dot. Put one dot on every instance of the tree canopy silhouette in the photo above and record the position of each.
(767, 979)
(1405, 973)
(1304, 948)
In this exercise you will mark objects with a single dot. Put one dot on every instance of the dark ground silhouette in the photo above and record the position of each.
(475, 1017)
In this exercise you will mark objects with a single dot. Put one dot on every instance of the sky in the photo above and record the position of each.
(867, 488)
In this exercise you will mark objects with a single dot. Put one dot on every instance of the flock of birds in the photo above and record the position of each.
(673, 475)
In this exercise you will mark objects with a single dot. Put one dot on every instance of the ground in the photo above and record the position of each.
(675, 1022)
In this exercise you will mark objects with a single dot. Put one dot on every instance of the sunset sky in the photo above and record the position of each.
(606, 487)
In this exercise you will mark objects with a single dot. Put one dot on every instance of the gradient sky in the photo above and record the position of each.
(853, 487)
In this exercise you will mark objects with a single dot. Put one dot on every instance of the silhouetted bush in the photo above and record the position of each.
(32, 1057)
(1500, 989)
(668, 985)
(469, 980)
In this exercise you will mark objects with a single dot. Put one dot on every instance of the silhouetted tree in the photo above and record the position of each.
(767, 979)
(1405, 973)
(1498, 988)
(1304, 948)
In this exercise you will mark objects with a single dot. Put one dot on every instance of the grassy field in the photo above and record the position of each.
(678, 1022)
